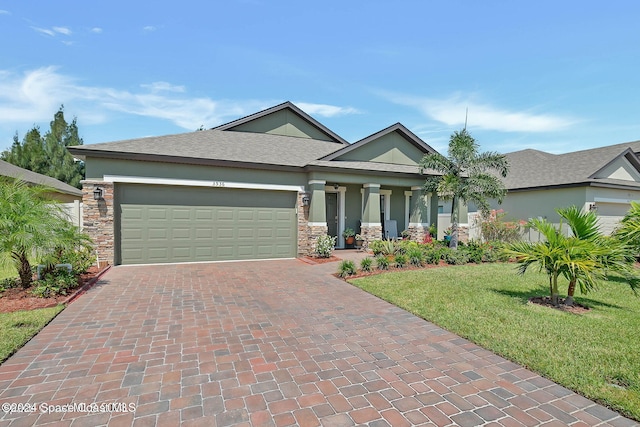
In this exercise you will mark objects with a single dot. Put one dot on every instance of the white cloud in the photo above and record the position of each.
(325, 110)
(149, 28)
(4, 12)
(452, 111)
(96, 30)
(33, 96)
(62, 30)
(45, 31)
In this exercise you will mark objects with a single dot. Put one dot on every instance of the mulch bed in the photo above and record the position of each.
(546, 301)
(16, 299)
(315, 260)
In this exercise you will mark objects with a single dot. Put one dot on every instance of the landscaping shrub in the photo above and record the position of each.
(366, 264)
(56, 283)
(347, 268)
(376, 247)
(383, 247)
(432, 254)
(325, 246)
(494, 227)
(8, 283)
(475, 251)
(401, 260)
(456, 257)
(415, 255)
(405, 246)
(382, 262)
(81, 260)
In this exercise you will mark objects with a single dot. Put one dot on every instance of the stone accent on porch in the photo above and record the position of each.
(417, 232)
(304, 246)
(313, 232)
(98, 219)
(370, 232)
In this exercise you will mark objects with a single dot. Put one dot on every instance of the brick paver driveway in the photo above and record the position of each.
(267, 343)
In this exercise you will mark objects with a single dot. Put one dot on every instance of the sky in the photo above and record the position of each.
(556, 76)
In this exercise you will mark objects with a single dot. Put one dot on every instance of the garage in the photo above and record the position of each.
(610, 215)
(163, 224)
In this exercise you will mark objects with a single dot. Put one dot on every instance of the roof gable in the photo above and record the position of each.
(286, 120)
(625, 167)
(395, 145)
(13, 171)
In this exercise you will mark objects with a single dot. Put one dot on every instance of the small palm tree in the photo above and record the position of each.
(465, 176)
(629, 229)
(30, 226)
(584, 258)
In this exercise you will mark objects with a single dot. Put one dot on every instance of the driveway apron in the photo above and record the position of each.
(265, 343)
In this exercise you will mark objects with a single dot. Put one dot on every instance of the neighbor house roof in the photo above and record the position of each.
(13, 171)
(530, 168)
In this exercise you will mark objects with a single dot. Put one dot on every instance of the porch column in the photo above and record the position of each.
(317, 225)
(433, 210)
(419, 214)
(371, 227)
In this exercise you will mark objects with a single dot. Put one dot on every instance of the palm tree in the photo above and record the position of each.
(464, 176)
(629, 229)
(30, 226)
(584, 258)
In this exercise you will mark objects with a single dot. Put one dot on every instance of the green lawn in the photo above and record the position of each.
(596, 354)
(18, 328)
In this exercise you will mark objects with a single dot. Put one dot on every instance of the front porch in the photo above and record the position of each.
(375, 210)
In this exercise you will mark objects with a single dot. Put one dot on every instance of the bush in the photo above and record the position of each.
(383, 247)
(494, 227)
(456, 257)
(475, 251)
(8, 283)
(56, 283)
(415, 256)
(325, 246)
(401, 260)
(347, 268)
(81, 260)
(382, 262)
(366, 264)
(432, 254)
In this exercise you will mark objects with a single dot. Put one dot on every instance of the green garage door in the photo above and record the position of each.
(183, 224)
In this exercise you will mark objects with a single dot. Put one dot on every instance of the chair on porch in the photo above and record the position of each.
(391, 229)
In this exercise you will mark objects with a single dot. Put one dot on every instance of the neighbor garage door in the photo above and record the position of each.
(159, 224)
(610, 214)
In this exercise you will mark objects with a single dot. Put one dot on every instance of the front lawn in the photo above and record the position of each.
(18, 328)
(596, 353)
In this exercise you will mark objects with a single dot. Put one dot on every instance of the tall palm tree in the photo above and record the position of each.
(465, 176)
(629, 229)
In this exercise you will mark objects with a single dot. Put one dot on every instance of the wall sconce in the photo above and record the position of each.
(306, 200)
(97, 193)
(593, 207)
(335, 186)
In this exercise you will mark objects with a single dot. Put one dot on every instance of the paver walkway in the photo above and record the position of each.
(267, 343)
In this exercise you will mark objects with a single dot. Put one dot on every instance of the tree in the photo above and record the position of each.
(629, 229)
(48, 154)
(584, 258)
(465, 176)
(31, 226)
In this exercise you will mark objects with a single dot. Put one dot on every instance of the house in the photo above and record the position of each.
(604, 179)
(69, 196)
(263, 186)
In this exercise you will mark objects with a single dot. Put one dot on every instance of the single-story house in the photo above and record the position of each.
(604, 179)
(69, 196)
(263, 186)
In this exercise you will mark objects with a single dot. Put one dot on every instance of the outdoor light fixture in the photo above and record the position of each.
(593, 207)
(97, 193)
(306, 200)
(335, 186)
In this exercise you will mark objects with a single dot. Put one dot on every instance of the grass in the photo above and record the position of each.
(18, 328)
(595, 354)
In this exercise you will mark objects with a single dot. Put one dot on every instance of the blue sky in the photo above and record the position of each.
(552, 75)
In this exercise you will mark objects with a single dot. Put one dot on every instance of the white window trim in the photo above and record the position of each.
(341, 212)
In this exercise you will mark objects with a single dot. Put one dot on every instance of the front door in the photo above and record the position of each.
(332, 214)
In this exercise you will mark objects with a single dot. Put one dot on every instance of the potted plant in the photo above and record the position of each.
(349, 236)
(359, 241)
(405, 234)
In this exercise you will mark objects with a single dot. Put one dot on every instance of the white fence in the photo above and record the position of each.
(74, 211)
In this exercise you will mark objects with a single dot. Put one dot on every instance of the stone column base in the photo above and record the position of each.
(370, 233)
(313, 232)
(417, 233)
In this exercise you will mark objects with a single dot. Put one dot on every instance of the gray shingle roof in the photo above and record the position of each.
(532, 168)
(218, 145)
(13, 171)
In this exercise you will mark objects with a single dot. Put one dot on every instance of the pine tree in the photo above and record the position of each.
(48, 154)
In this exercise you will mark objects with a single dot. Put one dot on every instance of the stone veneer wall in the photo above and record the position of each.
(304, 245)
(417, 233)
(314, 232)
(370, 233)
(98, 219)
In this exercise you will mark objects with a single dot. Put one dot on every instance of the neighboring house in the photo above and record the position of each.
(69, 196)
(264, 186)
(604, 179)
